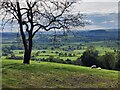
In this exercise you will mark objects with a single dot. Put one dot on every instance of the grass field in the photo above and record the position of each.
(54, 75)
(77, 53)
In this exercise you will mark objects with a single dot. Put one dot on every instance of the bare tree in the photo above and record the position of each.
(35, 15)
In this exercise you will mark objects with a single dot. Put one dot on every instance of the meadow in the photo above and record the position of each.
(54, 75)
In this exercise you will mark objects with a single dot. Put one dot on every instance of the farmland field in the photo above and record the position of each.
(77, 53)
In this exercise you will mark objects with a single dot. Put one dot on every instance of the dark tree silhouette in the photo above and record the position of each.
(90, 57)
(35, 15)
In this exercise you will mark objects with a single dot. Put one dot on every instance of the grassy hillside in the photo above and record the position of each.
(54, 75)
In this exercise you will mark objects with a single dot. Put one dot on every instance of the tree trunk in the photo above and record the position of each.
(27, 44)
(27, 56)
(28, 50)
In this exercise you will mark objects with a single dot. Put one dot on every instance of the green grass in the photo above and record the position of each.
(17, 51)
(54, 75)
(71, 58)
(42, 57)
(102, 50)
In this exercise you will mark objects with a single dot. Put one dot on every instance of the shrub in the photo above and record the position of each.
(37, 53)
(65, 54)
(56, 52)
(70, 55)
(33, 58)
(21, 52)
(61, 54)
(77, 62)
(60, 61)
(68, 61)
(43, 51)
(51, 58)
(12, 56)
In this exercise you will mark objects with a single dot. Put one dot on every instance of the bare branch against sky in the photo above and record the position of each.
(102, 7)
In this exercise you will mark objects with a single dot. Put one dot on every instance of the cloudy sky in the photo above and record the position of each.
(100, 0)
(97, 6)
(99, 13)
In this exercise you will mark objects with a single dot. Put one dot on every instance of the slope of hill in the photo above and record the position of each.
(54, 75)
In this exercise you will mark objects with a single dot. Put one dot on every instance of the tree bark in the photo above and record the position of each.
(28, 50)
(27, 44)
(27, 56)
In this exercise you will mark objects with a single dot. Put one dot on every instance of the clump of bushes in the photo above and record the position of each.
(56, 60)
(6, 51)
(12, 56)
(66, 55)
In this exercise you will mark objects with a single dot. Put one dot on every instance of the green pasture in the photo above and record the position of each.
(54, 75)
(53, 53)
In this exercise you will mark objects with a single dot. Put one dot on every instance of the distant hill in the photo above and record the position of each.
(73, 36)
(98, 31)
